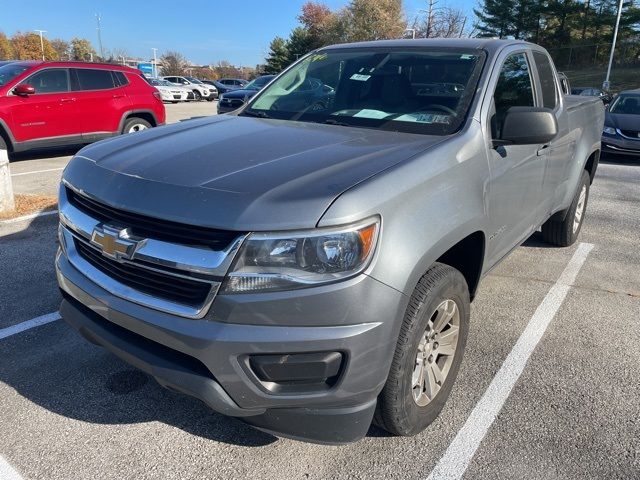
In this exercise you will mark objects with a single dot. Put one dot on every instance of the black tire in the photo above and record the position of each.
(397, 411)
(562, 232)
(3, 144)
(197, 96)
(210, 99)
(133, 122)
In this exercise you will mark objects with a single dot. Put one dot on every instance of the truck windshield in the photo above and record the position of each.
(416, 90)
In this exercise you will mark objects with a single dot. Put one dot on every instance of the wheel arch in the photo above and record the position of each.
(7, 136)
(147, 115)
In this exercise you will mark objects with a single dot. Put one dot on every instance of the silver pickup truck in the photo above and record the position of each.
(307, 263)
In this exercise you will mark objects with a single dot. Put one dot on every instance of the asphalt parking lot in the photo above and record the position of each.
(70, 410)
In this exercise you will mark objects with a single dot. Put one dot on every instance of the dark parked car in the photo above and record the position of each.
(621, 132)
(236, 98)
(227, 84)
(592, 92)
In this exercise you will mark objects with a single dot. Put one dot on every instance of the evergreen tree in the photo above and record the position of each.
(278, 58)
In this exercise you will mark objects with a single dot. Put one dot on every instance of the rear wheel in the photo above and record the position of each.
(565, 232)
(428, 354)
(135, 124)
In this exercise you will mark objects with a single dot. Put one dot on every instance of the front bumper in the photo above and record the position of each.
(620, 145)
(208, 358)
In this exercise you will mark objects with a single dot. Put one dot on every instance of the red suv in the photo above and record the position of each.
(45, 104)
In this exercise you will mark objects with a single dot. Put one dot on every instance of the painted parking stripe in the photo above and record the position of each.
(29, 324)
(456, 459)
(7, 472)
(37, 171)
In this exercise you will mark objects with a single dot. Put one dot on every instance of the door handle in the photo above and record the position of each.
(118, 95)
(67, 100)
(542, 150)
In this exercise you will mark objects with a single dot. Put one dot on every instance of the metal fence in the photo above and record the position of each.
(586, 65)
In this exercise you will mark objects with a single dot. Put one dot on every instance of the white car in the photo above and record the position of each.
(200, 90)
(170, 92)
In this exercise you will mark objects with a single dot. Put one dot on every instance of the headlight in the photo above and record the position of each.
(285, 261)
(609, 130)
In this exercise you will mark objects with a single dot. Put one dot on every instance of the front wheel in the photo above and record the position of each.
(428, 353)
(197, 95)
(565, 232)
(135, 124)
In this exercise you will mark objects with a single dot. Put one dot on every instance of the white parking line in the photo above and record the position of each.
(456, 459)
(37, 171)
(7, 472)
(29, 324)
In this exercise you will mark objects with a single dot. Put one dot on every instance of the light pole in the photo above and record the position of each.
(155, 63)
(41, 41)
(606, 84)
(98, 18)
(413, 32)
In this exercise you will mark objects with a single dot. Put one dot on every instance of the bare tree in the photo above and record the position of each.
(173, 63)
(445, 22)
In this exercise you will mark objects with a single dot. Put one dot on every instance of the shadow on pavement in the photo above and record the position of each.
(619, 160)
(43, 153)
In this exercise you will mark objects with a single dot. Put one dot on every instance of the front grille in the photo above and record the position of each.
(151, 227)
(630, 133)
(160, 285)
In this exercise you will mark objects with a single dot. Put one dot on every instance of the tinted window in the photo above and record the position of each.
(90, 79)
(10, 71)
(547, 79)
(52, 80)
(514, 89)
(120, 78)
(626, 104)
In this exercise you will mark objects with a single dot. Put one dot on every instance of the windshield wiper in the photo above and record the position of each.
(254, 113)
(331, 121)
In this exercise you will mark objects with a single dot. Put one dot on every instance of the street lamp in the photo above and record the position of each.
(413, 32)
(41, 41)
(155, 63)
(607, 84)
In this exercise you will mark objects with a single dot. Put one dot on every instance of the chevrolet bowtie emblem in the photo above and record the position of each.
(115, 243)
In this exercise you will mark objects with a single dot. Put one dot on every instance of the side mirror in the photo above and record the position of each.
(24, 89)
(528, 126)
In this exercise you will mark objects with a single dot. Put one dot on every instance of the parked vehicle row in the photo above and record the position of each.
(45, 104)
(234, 99)
(201, 91)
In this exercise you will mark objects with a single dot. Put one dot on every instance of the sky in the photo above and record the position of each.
(205, 31)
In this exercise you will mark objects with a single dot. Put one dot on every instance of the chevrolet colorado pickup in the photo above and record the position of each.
(307, 262)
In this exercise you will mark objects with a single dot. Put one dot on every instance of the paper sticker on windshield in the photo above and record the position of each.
(360, 77)
(375, 114)
(424, 118)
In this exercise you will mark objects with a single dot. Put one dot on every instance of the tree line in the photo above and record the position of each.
(27, 46)
(555, 24)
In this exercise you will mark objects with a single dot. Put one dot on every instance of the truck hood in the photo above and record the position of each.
(237, 173)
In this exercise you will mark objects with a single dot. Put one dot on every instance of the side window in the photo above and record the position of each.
(514, 89)
(547, 80)
(90, 79)
(120, 79)
(52, 80)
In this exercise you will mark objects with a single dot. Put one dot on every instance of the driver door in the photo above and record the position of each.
(50, 112)
(515, 192)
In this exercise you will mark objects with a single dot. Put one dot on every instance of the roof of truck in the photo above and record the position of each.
(488, 44)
